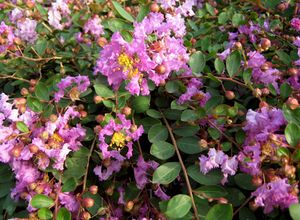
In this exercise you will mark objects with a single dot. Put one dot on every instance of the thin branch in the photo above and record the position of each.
(241, 206)
(87, 165)
(4, 76)
(182, 166)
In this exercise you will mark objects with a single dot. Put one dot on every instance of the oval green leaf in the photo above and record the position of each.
(41, 201)
(162, 150)
(166, 173)
(178, 206)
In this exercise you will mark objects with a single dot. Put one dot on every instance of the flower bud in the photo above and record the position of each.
(109, 191)
(101, 41)
(282, 6)
(154, 7)
(265, 43)
(97, 129)
(293, 71)
(263, 104)
(88, 202)
(238, 45)
(53, 118)
(98, 99)
(257, 92)
(257, 181)
(93, 189)
(133, 128)
(253, 206)
(126, 111)
(33, 82)
(32, 186)
(292, 103)
(193, 41)
(100, 118)
(33, 148)
(160, 69)
(16, 152)
(129, 205)
(83, 114)
(222, 200)
(85, 216)
(229, 95)
(203, 143)
(128, 9)
(31, 89)
(24, 92)
(265, 91)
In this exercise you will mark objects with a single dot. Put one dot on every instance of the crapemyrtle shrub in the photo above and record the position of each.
(167, 109)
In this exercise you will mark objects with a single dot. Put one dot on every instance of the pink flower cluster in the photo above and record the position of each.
(156, 50)
(218, 159)
(79, 85)
(121, 133)
(30, 146)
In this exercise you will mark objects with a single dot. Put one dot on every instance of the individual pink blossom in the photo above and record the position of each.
(295, 23)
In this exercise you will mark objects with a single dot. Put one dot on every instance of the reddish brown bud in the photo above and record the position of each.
(229, 95)
(31, 89)
(109, 191)
(83, 114)
(16, 151)
(129, 205)
(33, 148)
(24, 92)
(293, 71)
(80, 107)
(203, 143)
(257, 92)
(93, 189)
(160, 69)
(85, 216)
(97, 129)
(253, 206)
(292, 103)
(100, 118)
(282, 6)
(88, 202)
(222, 200)
(98, 99)
(193, 41)
(154, 7)
(133, 128)
(33, 82)
(265, 91)
(265, 43)
(238, 45)
(263, 104)
(101, 41)
(126, 111)
(257, 181)
(53, 118)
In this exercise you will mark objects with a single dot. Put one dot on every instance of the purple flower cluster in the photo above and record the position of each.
(26, 30)
(218, 159)
(185, 8)
(295, 23)
(58, 12)
(81, 82)
(261, 71)
(122, 133)
(94, 27)
(145, 58)
(260, 129)
(275, 194)
(29, 146)
(193, 92)
(7, 37)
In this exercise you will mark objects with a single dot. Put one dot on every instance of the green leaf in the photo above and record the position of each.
(291, 115)
(141, 103)
(238, 19)
(220, 211)
(219, 65)
(210, 9)
(246, 214)
(233, 63)
(45, 213)
(294, 210)
(223, 17)
(122, 11)
(143, 12)
(162, 150)
(284, 57)
(103, 91)
(153, 113)
(244, 181)
(178, 206)
(157, 132)
(21, 126)
(98, 202)
(42, 91)
(189, 145)
(197, 62)
(285, 90)
(69, 185)
(166, 173)
(214, 133)
(212, 178)
(172, 86)
(211, 191)
(41, 46)
(186, 130)
(63, 214)
(189, 115)
(291, 133)
(34, 104)
(41, 201)
(235, 196)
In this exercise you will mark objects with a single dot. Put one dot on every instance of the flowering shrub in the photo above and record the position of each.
(160, 109)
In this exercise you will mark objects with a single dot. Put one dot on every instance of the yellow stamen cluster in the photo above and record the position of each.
(118, 140)
(128, 65)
